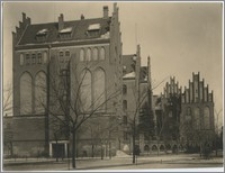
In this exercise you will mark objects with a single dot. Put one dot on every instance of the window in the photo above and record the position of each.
(27, 59)
(125, 136)
(187, 95)
(93, 30)
(21, 59)
(81, 55)
(125, 120)
(124, 89)
(183, 98)
(206, 118)
(34, 58)
(210, 97)
(102, 54)
(45, 57)
(39, 58)
(40, 93)
(25, 94)
(61, 54)
(86, 94)
(197, 118)
(41, 34)
(188, 114)
(188, 111)
(99, 92)
(65, 33)
(88, 55)
(124, 105)
(95, 54)
(67, 53)
(170, 114)
(205, 94)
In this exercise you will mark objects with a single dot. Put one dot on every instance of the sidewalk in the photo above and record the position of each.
(120, 160)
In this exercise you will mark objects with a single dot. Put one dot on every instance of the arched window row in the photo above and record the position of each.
(64, 56)
(26, 93)
(92, 54)
(93, 90)
(33, 58)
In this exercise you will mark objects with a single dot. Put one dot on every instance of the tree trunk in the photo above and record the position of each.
(134, 147)
(110, 149)
(102, 153)
(92, 150)
(216, 145)
(73, 150)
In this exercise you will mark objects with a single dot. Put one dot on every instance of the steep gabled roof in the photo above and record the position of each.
(79, 29)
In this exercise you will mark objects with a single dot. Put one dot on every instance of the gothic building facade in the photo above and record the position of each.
(197, 116)
(87, 50)
(77, 61)
(186, 118)
(80, 62)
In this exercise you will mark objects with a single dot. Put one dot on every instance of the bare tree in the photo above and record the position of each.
(7, 99)
(217, 129)
(132, 117)
(69, 97)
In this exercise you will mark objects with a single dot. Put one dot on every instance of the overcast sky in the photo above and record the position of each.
(180, 38)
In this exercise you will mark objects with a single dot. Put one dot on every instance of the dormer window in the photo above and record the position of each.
(93, 30)
(41, 34)
(95, 26)
(66, 33)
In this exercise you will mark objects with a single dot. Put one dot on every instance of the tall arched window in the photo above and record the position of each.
(88, 55)
(40, 93)
(188, 114)
(206, 118)
(82, 55)
(26, 94)
(188, 111)
(197, 118)
(99, 92)
(124, 105)
(85, 91)
(95, 54)
(102, 53)
(124, 89)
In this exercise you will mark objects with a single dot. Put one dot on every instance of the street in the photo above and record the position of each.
(123, 163)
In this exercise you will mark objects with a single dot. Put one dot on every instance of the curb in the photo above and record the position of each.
(31, 163)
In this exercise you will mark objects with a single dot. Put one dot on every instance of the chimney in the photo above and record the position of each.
(105, 12)
(60, 22)
(82, 17)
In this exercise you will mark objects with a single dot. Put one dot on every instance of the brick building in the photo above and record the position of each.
(84, 54)
(86, 46)
(197, 116)
(187, 117)
(137, 94)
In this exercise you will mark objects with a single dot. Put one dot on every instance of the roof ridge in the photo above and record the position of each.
(67, 21)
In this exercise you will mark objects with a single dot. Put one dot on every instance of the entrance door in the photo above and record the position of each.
(58, 150)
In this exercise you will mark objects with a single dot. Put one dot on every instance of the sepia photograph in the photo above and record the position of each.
(112, 86)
